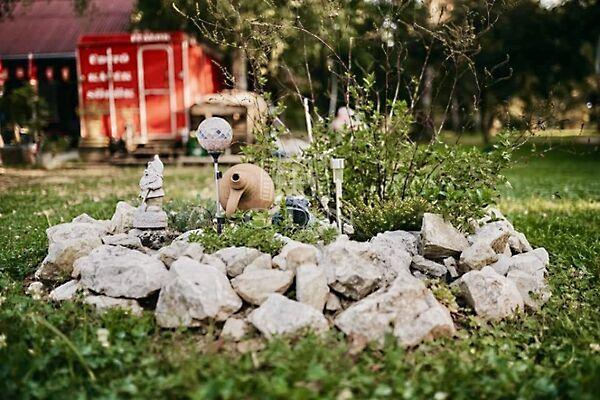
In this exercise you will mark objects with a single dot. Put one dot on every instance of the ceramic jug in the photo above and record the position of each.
(246, 187)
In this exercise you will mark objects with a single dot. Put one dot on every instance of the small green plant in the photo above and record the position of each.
(250, 230)
(256, 229)
(186, 216)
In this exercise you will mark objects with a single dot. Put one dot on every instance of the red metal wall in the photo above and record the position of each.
(145, 80)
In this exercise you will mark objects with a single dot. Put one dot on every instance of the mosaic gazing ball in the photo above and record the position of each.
(214, 134)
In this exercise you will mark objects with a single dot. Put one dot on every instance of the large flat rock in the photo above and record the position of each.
(120, 272)
(256, 284)
(439, 239)
(491, 295)
(67, 243)
(194, 292)
(353, 269)
(407, 309)
(311, 286)
(279, 315)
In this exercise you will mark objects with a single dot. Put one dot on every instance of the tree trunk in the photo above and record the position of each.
(486, 127)
(485, 118)
(239, 69)
(455, 114)
(426, 102)
(334, 95)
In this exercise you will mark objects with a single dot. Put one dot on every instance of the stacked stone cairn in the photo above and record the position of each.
(365, 289)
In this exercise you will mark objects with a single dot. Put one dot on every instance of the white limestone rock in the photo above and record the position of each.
(353, 269)
(235, 329)
(214, 261)
(533, 289)
(494, 235)
(491, 295)
(301, 255)
(502, 265)
(85, 218)
(102, 225)
(419, 275)
(477, 256)
(73, 230)
(120, 272)
(519, 243)
(398, 240)
(306, 253)
(311, 286)
(122, 219)
(169, 254)
(428, 267)
(105, 303)
(450, 264)
(195, 251)
(263, 261)
(194, 292)
(333, 302)
(237, 258)
(123, 239)
(256, 285)
(67, 291)
(395, 250)
(507, 252)
(67, 243)
(407, 309)
(439, 238)
(279, 315)
(491, 214)
(542, 254)
(534, 262)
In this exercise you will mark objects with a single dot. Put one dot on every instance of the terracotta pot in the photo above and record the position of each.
(246, 187)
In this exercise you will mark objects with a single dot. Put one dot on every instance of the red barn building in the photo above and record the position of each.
(139, 87)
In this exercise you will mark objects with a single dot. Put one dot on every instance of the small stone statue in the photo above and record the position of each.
(150, 214)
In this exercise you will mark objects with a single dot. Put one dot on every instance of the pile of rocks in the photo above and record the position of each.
(365, 289)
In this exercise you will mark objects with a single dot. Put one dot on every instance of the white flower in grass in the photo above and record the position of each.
(102, 335)
(2, 341)
(440, 396)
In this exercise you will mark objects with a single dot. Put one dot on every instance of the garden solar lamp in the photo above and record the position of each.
(337, 165)
(215, 135)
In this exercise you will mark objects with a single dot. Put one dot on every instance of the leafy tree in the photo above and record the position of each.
(8, 6)
(535, 54)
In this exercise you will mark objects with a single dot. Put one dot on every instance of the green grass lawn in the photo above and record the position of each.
(49, 351)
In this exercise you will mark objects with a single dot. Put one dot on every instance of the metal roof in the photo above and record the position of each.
(51, 28)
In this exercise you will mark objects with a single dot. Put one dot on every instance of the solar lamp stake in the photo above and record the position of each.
(337, 165)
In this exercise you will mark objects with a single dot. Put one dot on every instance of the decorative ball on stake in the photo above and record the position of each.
(215, 135)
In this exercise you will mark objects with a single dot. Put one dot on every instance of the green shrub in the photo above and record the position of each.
(390, 179)
(369, 220)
